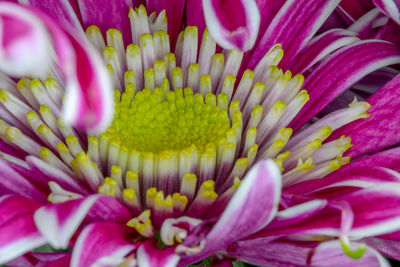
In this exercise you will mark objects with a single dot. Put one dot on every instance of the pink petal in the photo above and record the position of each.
(234, 25)
(389, 248)
(24, 42)
(380, 130)
(108, 208)
(368, 25)
(100, 240)
(18, 233)
(320, 47)
(390, 8)
(340, 71)
(63, 11)
(293, 27)
(251, 208)
(195, 15)
(331, 254)
(356, 8)
(149, 255)
(107, 14)
(58, 222)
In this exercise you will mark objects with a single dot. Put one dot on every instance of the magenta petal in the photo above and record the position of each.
(24, 42)
(340, 71)
(331, 254)
(195, 15)
(251, 208)
(107, 14)
(58, 222)
(18, 233)
(320, 47)
(102, 240)
(390, 7)
(108, 208)
(62, 11)
(148, 254)
(234, 25)
(380, 130)
(293, 27)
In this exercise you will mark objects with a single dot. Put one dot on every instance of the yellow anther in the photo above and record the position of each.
(142, 224)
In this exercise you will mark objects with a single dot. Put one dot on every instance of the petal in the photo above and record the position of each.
(102, 239)
(331, 254)
(195, 15)
(107, 14)
(380, 130)
(18, 233)
(62, 11)
(320, 47)
(389, 248)
(340, 71)
(108, 208)
(367, 25)
(12, 182)
(390, 8)
(293, 27)
(58, 222)
(24, 42)
(251, 208)
(233, 26)
(149, 255)
(356, 9)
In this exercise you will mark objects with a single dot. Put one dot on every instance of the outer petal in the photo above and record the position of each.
(234, 25)
(389, 248)
(102, 239)
(390, 8)
(18, 233)
(60, 10)
(380, 130)
(149, 255)
(340, 71)
(107, 14)
(24, 42)
(293, 27)
(320, 47)
(250, 209)
(58, 222)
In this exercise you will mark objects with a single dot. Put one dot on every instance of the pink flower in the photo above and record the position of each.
(213, 154)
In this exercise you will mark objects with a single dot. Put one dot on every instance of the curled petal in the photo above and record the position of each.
(18, 233)
(24, 42)
(233, 25)
(251, 208)
(390, 7)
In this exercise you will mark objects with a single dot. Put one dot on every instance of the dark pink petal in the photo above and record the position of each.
(195, 15)
(356, 8)
(62, 11)
(58, 222)
(18, 233)
(293, 27)
(251, 208)
(12, 182)
(24, 42)
(107, 14)
(366, 26)
(108, 208)
(390, 7)
(174, 11)
(331, 254)
(102, 240)
(380, 130)
(340, 71)
(149, 255)
(234, 25)
(320, 47)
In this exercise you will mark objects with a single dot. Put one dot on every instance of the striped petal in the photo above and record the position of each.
(250, 209)
(102, 241)
(234, 25)
(340, 71)
(149, 255)
(380, 130)
(58, 222)
(18, 233)
(293, 27)
(25, 43)
(390, 7)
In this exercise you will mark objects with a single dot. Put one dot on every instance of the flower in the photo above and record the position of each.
(193, 165)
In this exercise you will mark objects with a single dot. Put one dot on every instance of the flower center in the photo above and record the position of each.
(155, 121)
